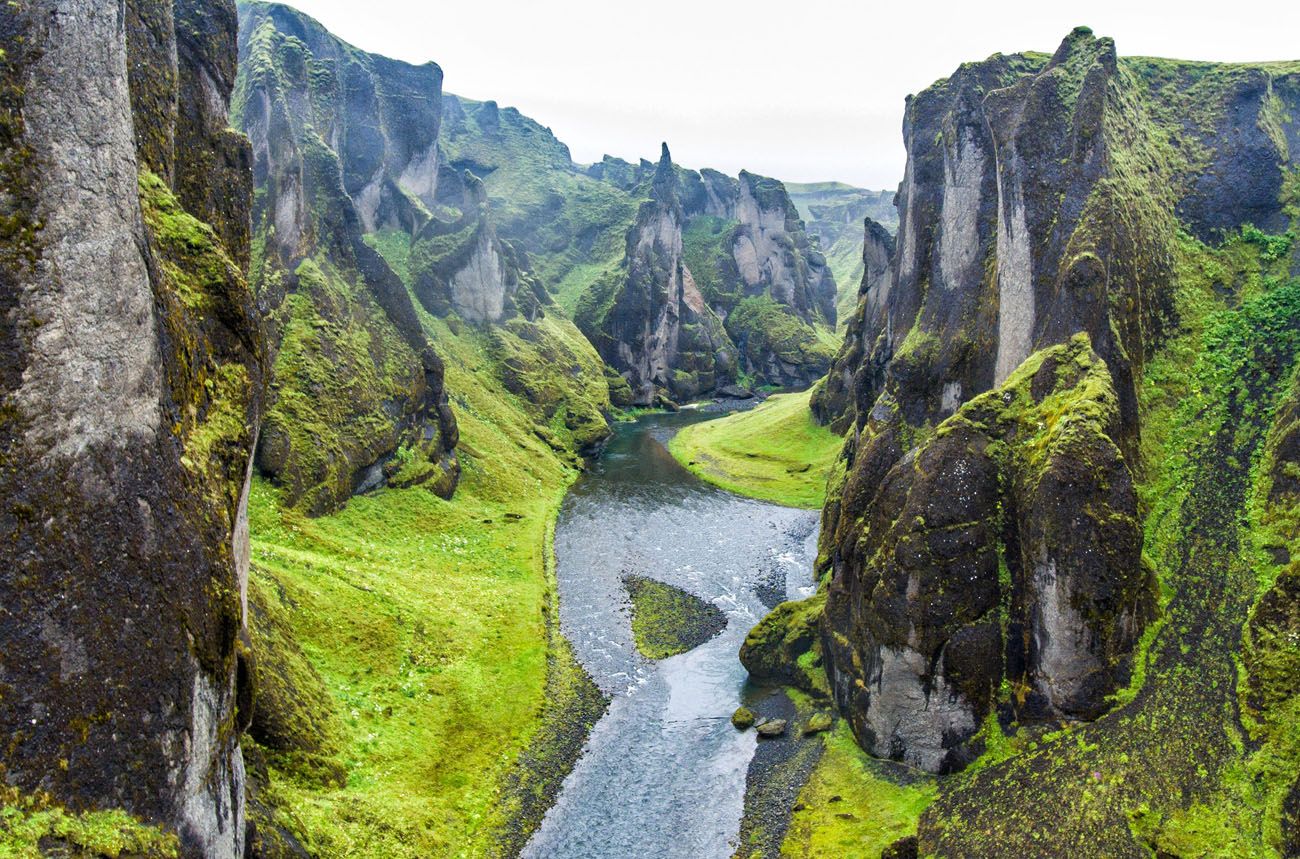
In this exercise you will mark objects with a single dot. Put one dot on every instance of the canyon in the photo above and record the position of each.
(355, 436)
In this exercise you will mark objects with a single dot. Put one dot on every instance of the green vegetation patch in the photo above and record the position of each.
(762, 327)
(854, 805)
(456, 705)
(706, 248)
(32, 827)
(775, 452)
(667, 620)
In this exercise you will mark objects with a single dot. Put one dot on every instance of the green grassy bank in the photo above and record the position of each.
(774, 452)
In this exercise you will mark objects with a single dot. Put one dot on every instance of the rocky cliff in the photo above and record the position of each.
(343, 143)
(834, 212)
(761, 294)
(131, 382)
(648, 318)
(833, 402)
(985, 544)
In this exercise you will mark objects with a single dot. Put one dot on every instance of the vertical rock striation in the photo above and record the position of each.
(985, 547)
(342, 141)
(131, 388)
(657, 329)
(760, 297)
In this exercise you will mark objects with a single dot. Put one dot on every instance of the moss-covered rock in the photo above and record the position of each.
(785, 647)
(1005, 547)
(131, 390)
(1042, 198)
(355, 378)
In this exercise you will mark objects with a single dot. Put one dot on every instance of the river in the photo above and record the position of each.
(663, 772)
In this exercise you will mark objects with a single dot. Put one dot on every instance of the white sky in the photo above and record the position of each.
(802, 90)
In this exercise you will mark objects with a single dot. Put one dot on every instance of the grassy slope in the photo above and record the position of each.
(849, 807)
(427, 621)
(573, 226)
(775, 452)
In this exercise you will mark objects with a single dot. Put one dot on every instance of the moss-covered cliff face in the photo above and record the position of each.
(342, 141)
(648, 318)
(758, 295)
(834, 212)
(364, 217)
(1049, 417)
(571, 225)
(131, 387)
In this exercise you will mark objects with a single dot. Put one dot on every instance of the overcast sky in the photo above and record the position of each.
(802, 90)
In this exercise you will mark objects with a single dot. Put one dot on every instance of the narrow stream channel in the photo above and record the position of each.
(663, 772)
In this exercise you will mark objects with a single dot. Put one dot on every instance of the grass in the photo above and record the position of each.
(667, 620)
(776, 452)
(428, 619)
(851, 806)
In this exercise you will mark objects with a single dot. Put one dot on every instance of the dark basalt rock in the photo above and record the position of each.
(1004, 547)
(689, 310)
(131, 389)
(657, 330)
(903, 848)
(460, 265)
(1040, 204)
(858, 366)
(355, 377)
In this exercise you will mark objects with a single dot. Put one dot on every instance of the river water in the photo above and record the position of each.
(663, 772)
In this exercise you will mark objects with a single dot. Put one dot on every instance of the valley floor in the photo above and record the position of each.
(848, 804)
(454, 705)
(775, 452)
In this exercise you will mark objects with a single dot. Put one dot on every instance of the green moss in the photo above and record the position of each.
(395, 247)
(706, 249)
(854, 805)
(667, 620)
(1172, 766)
(762, 327)
(785, 647)
(32, 827)
(339, 368)
(775, 452)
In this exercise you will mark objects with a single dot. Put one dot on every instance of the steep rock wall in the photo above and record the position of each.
(1042, 199)
(750, 264)
(650, 321)
(341, 140)
(854, 370)
(131, 383)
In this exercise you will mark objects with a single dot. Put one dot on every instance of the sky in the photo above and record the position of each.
(802, 90)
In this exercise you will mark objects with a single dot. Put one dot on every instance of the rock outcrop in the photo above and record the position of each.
(980, 561)
(833, 213)
(343, 142)
(760, 296)
(131, 384)
(459, 264)
(650, 321)
(854, 369)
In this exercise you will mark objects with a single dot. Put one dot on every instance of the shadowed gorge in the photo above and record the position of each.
(381, 481)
